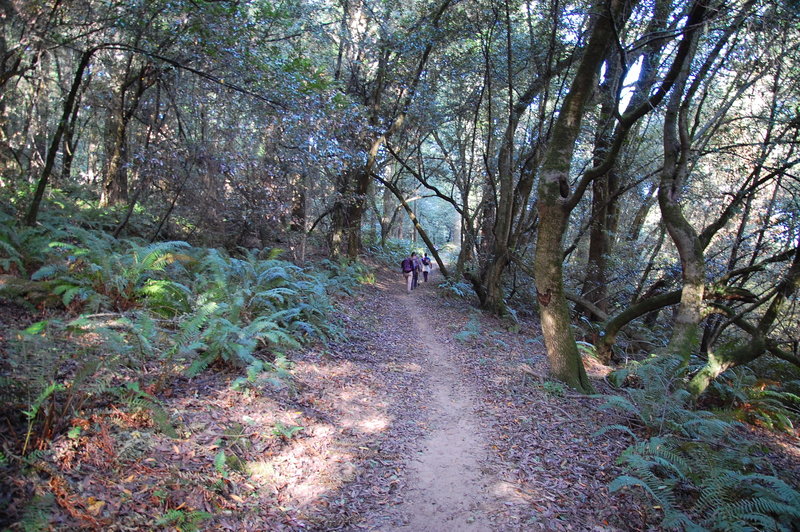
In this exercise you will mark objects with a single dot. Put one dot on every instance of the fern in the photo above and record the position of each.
(259, 304)
(142, 333)
(224, 308)
(183, 520)
(735, 500)
(391, 252)
(458, 289)
(694, 465)
(9, 254)
(38, 355)
(654, 466)
(48, 272)
(587, 348)
(740, 391)
(36, 516)
(199, 365)
(137, 400)
(621, 428)
(165, 297)
(471, 331)
(343, 276)
(286, 432)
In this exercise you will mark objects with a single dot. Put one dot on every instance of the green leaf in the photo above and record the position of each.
(219, 463)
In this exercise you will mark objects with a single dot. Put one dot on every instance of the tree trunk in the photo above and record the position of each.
(686, 328)
(389, 209)
(348, 215)
(604, 196)
(115, 183)
(645, 204)
(297, 221)
(69, 137)
(488, 285)
(749, 351)
(562, 352)
(69, 103)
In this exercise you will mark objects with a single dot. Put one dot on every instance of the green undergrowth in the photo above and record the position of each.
(696, 466)
(118, 309)
(392, 252)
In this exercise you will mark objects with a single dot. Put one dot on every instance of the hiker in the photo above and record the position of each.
(417, 269)
(408, 268)
(426, 266)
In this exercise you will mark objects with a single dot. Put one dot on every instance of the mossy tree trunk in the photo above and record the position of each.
(759, 343)
(554, 209)
(604, 198)
(133, 84)
(556, 201)
(674, 174)
(562, 352)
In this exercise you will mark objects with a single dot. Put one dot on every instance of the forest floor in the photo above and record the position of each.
(428, 416)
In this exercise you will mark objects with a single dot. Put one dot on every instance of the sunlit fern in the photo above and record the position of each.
(698, 468)
(755, 401)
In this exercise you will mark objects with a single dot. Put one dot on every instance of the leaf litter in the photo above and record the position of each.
(348, 445)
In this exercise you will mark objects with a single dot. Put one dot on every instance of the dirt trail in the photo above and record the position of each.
(450, 488)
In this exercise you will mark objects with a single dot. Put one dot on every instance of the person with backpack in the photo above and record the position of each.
(426, 266)
(408, 267)
(417, 269)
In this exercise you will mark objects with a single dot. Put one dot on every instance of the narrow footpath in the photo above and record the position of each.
(439, 420)
(448, 490)
(449, 485)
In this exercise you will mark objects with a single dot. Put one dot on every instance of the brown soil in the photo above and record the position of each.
(478, 397)
(426, 417)
(451, 489)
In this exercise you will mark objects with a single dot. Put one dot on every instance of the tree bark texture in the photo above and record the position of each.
(562, 352)
(115, 183)
(686, 328)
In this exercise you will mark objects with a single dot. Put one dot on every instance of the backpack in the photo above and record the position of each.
(426, 261)
(406, 265)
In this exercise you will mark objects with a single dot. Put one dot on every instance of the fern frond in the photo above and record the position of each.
(620, 403)
(199, 365)
(621, 428)
(48, 272)
(627, 481)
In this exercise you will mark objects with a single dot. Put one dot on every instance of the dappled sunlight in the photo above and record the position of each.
(787, 444)
(306, 470)
(596, 369)
(405, 367)
(375, 424)
(341, 422)
(361, 413)
(384, 285)
(292, 456)
(510, 492)
(212, 215)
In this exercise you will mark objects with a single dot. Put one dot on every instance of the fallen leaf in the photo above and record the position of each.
(95, 507)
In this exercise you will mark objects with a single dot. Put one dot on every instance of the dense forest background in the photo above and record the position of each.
(623, 172)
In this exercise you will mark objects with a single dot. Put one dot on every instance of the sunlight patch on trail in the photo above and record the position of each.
(450, 487)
